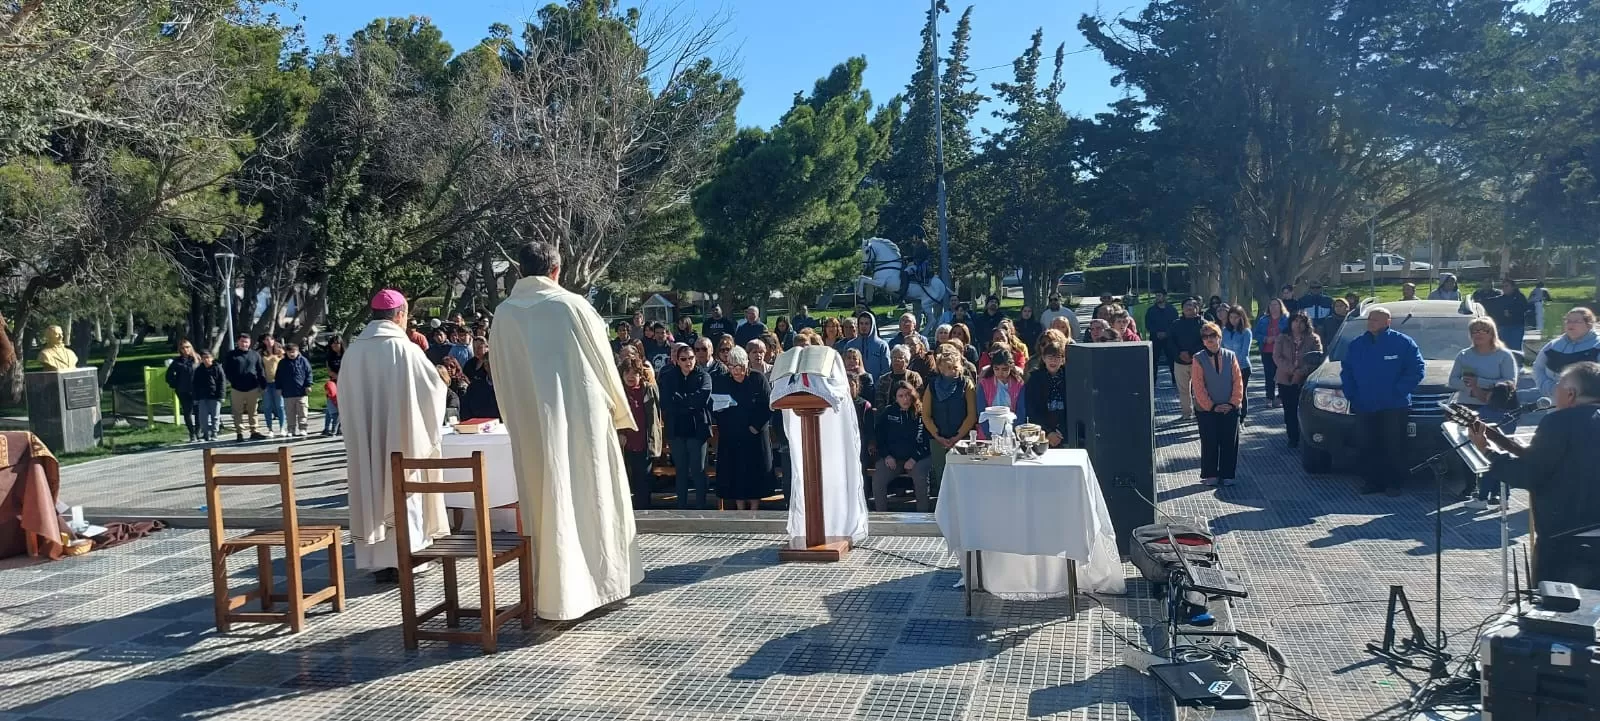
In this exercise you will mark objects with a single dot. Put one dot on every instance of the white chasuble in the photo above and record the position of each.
(562, 403)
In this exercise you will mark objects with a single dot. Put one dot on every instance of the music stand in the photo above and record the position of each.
(1478, 464)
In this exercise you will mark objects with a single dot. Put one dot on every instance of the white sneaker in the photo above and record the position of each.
(1208, 482)
(1227, 481)
(1476, 504)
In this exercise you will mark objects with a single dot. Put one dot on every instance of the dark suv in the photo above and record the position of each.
(1327, 429)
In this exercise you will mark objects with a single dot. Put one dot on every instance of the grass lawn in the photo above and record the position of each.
(1565, 294)
(129, 374)
(132, 439)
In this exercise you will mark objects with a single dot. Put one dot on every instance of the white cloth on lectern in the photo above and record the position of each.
(844, 500)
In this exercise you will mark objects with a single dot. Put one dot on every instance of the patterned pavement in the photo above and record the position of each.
(720, 630)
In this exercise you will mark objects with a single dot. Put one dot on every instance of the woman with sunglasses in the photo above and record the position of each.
(686, 413)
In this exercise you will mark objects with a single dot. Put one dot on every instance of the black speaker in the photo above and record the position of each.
(1111, 414)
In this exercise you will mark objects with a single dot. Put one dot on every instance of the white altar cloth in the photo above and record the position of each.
(500, 473)
(1032, 520)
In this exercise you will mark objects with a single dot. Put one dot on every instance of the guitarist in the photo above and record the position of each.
(1558, 468)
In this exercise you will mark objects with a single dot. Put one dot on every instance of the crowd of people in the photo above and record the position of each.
(255, 375)
(1212, 353)
(700, 396)
(267, 383)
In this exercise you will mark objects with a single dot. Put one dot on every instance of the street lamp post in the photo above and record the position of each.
(1372, 255)
(938, 154)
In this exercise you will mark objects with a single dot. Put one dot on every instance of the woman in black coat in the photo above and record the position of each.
(335, 358)
(744, 451)
(180, 377)
(1045, 393)
(686, 414)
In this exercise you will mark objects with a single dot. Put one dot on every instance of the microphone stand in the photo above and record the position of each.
(1419, 645)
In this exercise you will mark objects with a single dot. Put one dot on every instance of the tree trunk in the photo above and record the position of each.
(81, 338)
(195, 325)
(114, 350)
(491, 297)
(1505, 232)
(313, 312)
(14, 383)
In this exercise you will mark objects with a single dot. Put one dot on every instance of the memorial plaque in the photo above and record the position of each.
(81, 392)
(64, 408)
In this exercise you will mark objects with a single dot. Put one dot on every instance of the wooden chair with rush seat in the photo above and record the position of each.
(297, 541)
(491, 551)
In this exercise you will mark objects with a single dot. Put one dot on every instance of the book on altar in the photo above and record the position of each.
(477, 425)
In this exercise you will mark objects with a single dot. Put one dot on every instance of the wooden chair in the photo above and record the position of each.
(492, 550)
(296, 540)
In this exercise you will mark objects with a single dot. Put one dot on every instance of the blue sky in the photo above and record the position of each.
(783, 47)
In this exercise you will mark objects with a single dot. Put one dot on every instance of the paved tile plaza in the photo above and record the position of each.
(720, 630)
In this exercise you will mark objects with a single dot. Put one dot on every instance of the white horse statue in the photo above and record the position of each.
(885, 268)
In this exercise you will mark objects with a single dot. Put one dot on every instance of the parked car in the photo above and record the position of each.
(1070, 284)
(1382, 262)
(1328, 430)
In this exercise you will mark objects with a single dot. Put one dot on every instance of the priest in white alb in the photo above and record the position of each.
(562, 403)
(390, 399)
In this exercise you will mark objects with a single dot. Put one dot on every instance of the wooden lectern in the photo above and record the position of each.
(816, 546)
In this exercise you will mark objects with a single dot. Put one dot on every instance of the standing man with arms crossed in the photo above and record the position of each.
(1185, 343)
(563, 403)
(1381, 369)
(1158, 320)
(246, 377)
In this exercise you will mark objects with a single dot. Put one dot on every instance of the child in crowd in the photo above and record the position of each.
(330, 416)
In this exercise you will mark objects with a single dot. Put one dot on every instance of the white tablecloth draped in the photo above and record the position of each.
(1032, 520)
(499, 471)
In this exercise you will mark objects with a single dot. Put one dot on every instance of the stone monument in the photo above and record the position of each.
(63, 400)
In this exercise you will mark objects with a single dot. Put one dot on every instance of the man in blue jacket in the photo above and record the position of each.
(1381, 369)
(294, 382)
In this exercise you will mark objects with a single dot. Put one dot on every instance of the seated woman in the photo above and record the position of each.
(1046, 391)
(1000, 385)
(902, 443)
(1478, 369)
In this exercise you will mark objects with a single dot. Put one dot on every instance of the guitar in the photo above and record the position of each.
(1467, 418)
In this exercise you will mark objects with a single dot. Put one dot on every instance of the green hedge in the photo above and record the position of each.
(1114, 279)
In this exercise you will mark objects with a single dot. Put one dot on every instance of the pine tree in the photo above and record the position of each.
(787, 209)
(907, 174)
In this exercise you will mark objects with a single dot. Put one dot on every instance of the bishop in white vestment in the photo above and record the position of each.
(562, 403)
(390, 399)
